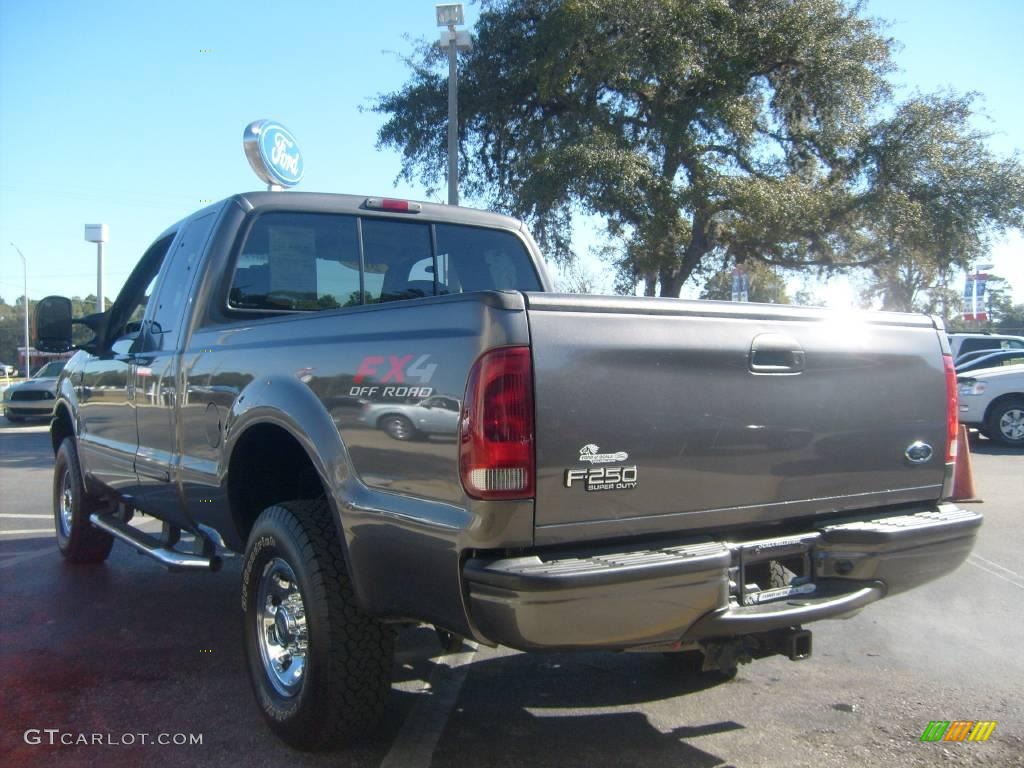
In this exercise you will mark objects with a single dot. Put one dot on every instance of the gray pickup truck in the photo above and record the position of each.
(621, 473)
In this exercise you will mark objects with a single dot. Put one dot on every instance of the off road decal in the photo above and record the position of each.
(400, 370)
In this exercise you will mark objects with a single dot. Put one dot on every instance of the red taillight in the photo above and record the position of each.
(496, 427)
(952, 409)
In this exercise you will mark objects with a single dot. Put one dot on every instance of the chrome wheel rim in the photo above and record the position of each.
(1011, 424)
(399, 428)
(281, 628)
(66, 503)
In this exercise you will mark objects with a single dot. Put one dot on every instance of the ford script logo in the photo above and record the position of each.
(918, 453)
(273, 153)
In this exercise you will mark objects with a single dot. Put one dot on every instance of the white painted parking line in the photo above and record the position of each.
(48, 531)
(988, 562)
(997, 574)
(25, 515)
(414, 746)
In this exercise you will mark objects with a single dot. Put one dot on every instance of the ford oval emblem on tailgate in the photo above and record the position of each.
(918, 453)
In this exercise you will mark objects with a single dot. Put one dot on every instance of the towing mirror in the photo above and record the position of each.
(53, 324)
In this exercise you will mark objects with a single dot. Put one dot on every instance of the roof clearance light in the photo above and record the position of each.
(390, 204)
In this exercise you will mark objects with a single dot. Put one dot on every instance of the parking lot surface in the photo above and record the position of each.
(137, 655)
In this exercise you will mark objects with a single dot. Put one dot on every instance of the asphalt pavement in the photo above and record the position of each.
(128, 656)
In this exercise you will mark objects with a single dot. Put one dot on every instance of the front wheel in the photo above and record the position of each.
(1005, 424)
(78, 541)
(319, 665)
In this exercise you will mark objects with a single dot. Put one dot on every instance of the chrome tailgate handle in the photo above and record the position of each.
(776, 353)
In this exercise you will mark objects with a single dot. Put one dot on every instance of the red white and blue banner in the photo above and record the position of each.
(976, 297)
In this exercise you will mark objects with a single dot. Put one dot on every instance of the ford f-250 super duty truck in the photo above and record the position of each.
(384, 408)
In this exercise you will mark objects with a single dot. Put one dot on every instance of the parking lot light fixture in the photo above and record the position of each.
(449, 15)
(99, 234)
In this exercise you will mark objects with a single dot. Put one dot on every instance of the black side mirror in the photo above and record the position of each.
(53, 324)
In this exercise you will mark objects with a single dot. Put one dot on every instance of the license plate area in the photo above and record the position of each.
(766, 571)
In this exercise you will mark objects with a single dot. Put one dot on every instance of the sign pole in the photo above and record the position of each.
(453, 120)
(100, 303)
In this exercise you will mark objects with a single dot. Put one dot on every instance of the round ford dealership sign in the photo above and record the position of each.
(273, 153)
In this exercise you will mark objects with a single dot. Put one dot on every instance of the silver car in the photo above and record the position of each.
(437, 415)
(35, 397)
(992, 401)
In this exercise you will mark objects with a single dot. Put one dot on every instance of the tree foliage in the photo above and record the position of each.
(744, 129)
(936, 195)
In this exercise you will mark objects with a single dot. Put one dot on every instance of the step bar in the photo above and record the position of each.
(154, 548)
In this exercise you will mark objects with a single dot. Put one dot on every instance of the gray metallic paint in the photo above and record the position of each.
(608, 371)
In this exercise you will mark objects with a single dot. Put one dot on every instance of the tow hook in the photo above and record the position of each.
(725, 654)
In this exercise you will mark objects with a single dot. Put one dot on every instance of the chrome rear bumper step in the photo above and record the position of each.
(147, 545)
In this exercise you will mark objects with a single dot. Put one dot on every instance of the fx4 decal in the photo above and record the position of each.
(397, 369)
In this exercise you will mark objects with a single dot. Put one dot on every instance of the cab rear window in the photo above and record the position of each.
(307, 262)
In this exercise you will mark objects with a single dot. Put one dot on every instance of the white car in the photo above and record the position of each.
(992, 401)
(34, 397)
(438, 415)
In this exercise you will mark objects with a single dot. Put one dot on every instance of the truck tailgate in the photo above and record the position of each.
(710, 415)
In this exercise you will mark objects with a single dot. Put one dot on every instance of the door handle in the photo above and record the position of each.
(776, 353)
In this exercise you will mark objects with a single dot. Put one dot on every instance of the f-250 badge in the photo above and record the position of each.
(602, 478)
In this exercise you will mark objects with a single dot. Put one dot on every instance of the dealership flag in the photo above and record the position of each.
(975, 298)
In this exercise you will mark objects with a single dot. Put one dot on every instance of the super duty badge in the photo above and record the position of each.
(602, 478)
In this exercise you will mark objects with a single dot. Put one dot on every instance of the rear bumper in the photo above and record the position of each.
(694, 591)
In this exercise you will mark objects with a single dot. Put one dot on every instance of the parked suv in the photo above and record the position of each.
(962, 343)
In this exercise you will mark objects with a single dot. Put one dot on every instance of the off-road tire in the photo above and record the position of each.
(78, 541)
(347, 675)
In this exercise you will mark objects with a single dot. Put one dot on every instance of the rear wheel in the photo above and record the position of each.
(398, 427)
(1005, 423)
(78, 541)
(320, 667)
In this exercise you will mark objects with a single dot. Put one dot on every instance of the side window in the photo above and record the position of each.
(167, 318)
(130, 307)
(476, 259)
(298, 261)
(973, 345)
(399, 263)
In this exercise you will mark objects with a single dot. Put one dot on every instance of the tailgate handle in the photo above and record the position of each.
(776, 353)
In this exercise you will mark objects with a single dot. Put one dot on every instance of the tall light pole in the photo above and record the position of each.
(450, 16)
(99, 234)
(24, 267)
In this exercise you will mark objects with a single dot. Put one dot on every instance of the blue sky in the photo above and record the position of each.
(110, 111)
